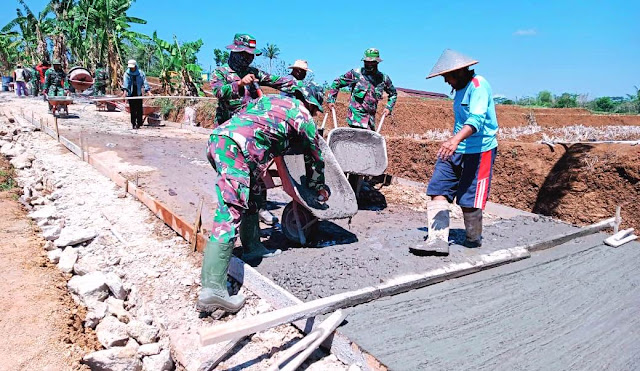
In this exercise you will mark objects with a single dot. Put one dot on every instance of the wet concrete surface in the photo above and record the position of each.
(375, 247)
(573, 307)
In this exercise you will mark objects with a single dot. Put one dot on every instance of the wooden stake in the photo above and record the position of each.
(616, 224)
(237, 328)
(196, 226)
(55, 121)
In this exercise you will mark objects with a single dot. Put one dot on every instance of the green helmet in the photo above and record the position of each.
(372, 55)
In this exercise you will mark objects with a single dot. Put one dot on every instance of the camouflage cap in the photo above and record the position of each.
(243, 42)
(372, 55)
(312, 93)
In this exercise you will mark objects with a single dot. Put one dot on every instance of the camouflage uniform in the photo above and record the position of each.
(101, 80)
(231, 97)
(55, 82)
(366, 91)
(241, 149)
(35, 82)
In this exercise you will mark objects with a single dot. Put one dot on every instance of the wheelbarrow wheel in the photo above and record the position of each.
(292, 231)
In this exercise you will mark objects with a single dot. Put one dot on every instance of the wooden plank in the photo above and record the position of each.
(196, 225)
(71, 146)
(309, 343)
(237, 328)
(566, 237)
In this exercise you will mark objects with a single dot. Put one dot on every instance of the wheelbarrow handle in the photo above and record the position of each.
(335, 120)
(381, 122)
(258, 90)
(324, 120)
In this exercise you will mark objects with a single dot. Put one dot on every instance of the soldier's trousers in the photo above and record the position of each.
(238, 190)
(99, 89)
(54, 91)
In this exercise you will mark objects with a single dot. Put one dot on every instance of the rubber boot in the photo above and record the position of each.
(438, 241)
(267, 218)
(250, 238)
(214, 294)
(473, 227)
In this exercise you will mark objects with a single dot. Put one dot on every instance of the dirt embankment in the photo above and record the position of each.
(580, 184)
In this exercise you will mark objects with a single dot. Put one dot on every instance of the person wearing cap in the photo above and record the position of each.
(367, 85)
(233, 85)
(134, 84)
(240, 150)
(299, 69)
(464, 166)
(101, 80)
(20, 80)
(55, 82)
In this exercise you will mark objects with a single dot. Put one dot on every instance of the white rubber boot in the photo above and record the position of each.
(473, 227)
(438, 241)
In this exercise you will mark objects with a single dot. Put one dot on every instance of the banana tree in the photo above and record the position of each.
(184, 59)
(9, 43)
(32, 31)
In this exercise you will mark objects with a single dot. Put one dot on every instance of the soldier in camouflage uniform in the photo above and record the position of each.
(55, 82)
(240, 150)
(367, 85)
(101, 80)
(233, 85)
(35, 82)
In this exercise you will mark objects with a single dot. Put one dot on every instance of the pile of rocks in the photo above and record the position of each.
(130, 342)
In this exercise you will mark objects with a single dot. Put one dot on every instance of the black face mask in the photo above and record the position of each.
(370, 68)
(240, 61)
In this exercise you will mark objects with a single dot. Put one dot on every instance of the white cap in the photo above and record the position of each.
(132, 63)
(301, 64)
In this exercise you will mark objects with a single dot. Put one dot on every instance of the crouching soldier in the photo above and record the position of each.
(465, 161)
(239, 150)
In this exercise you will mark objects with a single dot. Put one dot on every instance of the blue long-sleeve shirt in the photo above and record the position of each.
(140, 82)
(474, 106)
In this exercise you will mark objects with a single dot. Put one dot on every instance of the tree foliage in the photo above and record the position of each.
(220, 57)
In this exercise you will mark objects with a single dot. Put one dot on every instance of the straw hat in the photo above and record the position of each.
(450, 60)
(301, 64)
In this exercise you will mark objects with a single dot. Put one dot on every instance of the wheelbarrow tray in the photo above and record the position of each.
(359, 151)
(342, 203)
(146, 110)
(59, 100)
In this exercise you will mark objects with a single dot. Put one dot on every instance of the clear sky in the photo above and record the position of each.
(523, 47)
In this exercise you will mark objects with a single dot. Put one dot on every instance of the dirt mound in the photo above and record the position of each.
(580, 184)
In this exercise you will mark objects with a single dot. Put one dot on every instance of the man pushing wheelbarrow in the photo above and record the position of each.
(240, 150)
(55, 85)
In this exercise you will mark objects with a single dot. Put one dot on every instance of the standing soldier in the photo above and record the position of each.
(239, 150)
(299, 69)
(101, 80)
(35, 81)
(465, 161)
(55, 82)
(233, 85)
(366, 85)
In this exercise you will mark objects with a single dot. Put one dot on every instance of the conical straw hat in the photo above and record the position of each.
(450, 60)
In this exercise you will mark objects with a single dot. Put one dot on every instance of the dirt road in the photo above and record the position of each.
(38, 318)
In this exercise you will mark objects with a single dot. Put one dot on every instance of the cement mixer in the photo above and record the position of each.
(80, 78)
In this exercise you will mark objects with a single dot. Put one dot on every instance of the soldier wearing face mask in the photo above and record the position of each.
(232, 83)
(367, 85)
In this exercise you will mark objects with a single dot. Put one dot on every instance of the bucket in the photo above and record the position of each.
(6, 80)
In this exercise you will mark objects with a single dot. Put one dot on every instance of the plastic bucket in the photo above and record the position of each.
(6, 80)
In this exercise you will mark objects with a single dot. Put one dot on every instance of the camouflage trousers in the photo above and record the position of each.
(55, 91)
(237, 189)
(361, 119)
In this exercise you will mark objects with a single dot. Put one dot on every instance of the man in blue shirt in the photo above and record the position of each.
(135, 85)
(465, 161)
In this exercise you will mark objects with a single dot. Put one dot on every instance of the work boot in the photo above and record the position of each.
(250, 238)
(267, 218)
(473, 227)
(438, 241)
(214, 294)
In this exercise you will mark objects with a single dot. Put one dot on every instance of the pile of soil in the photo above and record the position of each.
(581, 183)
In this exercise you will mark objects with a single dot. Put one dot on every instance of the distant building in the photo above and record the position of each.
(402, 92)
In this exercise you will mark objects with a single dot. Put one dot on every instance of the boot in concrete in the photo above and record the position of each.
(250, 238)
(473, 227)
(438, 241)
(267, 218)
(214, 294)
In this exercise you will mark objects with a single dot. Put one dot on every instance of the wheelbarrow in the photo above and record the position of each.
(107, 105)
(301, 215)
(149, 113)
(360, 152)
(58, 104)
